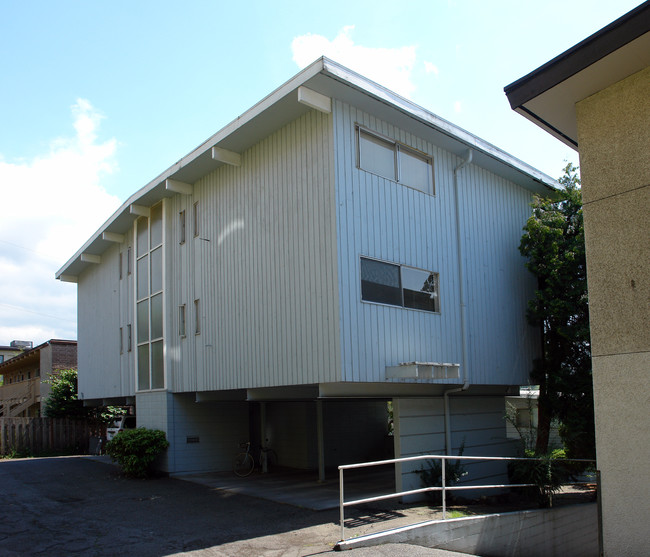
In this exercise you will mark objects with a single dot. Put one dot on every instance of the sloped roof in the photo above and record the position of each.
(281, 107)
(547, 96)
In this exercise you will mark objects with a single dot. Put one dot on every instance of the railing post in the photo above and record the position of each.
(341, 499)
(444, 493)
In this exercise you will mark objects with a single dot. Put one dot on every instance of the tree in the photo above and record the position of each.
(62, 401)
(553, 242)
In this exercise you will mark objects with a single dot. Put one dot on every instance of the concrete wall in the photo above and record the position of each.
(614, 136)
(541, 533)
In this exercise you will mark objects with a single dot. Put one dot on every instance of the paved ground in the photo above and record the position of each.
(80, 506)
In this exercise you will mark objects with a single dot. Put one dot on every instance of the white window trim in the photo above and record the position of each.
(398, 146)
(402, 306)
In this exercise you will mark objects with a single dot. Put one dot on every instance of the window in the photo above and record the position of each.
(181, 321)
(195, 218)
(129, 340)
(121, 341)
(149, 296)
(181, 227)
(392, 160)
(129, 267)
(197, 318)
(398, 285)
(120, 265)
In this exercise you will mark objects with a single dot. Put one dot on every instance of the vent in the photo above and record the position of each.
(192, 439)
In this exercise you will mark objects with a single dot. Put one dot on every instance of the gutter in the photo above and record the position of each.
(463, 306)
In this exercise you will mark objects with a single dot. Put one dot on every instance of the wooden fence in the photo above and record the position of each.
(43, 436)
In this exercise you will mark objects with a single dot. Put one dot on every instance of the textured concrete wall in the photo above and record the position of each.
(541, 533)
(614, 139)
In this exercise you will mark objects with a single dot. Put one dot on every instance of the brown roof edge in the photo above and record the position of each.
(610, 38)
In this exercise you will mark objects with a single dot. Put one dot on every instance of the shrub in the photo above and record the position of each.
(548, 474)
(432, 476)
(136, 449)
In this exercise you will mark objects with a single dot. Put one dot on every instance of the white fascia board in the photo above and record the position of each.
(415, 111)
(67, 278)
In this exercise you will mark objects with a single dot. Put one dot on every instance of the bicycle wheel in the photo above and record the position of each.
(244, 464)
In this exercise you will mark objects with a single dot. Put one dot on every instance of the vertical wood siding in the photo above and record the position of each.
(105, 305)
(379, 218)
(263, 268)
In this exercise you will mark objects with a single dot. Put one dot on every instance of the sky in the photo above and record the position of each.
(99, 97)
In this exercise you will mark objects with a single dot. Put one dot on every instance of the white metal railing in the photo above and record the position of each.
(443, 488)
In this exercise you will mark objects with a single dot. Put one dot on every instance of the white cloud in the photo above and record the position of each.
(50, 206)
(391, 67)
(430, 67)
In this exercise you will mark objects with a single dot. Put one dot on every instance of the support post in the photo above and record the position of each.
(321, 441)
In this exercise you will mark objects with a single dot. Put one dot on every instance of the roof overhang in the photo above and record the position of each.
(323, 78)
(548, 95)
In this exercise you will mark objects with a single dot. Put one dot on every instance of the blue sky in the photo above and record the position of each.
(98, 97)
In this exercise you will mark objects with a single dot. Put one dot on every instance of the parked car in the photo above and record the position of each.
(122, 423)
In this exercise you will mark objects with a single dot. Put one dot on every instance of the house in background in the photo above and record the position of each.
(334, 248)
(14, 348)
(595, 97)
(23, 393)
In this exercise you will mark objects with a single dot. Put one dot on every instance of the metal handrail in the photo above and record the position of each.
(444, 488)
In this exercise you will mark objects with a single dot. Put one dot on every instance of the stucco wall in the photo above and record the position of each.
(614, 136)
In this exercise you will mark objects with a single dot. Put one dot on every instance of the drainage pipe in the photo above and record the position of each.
(461, 295)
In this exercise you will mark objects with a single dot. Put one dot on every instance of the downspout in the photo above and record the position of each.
(463, 323)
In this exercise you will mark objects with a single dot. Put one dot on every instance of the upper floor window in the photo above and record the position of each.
(181, 227)
(395, 161)
(398, 285)
(149, 296)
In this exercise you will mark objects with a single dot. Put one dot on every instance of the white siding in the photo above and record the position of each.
(104, 305)
(476, 422)
(263, 268)
(381, 219)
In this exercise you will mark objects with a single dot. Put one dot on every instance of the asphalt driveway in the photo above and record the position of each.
(79, 506)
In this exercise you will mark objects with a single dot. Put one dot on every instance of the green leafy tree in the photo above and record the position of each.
(554, 245)
(62, 401)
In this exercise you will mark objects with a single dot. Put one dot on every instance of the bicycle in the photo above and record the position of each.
(245, 463)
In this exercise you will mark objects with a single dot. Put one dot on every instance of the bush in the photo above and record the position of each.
(548, 474)
(136, 449)
(432, 476)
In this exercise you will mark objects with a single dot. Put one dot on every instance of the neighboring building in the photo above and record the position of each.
(334, 248)
(14, 348)
(596, 98)
(23, 392)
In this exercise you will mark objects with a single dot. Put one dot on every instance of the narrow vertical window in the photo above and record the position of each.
(181, 320)
(197, 318)
(129, 339)
(121, 341)
(181, 226)
(195, 217)
(129, 267)
(120, 265)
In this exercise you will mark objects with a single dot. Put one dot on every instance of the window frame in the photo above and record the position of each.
(182, 226)
(437, 305)
(397, 147)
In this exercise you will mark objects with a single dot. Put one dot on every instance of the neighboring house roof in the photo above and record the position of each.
(547, 96)
(30, 356)
(282, 106)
